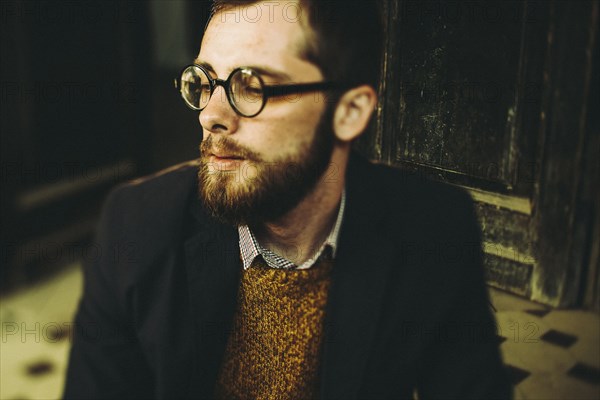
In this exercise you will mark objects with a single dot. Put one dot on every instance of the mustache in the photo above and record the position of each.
(228, 146)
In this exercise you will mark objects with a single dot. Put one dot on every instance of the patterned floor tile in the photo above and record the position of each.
(539, 312)
(40, 368)
(559, 338)
(504, 301)
(537, 357)
(556, 386)
(587, 351)
(583, 324)
(517, 374)
(585, 373)
(519, 326)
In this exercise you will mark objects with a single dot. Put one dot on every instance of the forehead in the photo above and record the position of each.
(264, 33)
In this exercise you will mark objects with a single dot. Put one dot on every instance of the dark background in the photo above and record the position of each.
(499, 97)
(87, 101)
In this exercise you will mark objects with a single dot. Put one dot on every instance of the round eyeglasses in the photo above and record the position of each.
(246, 91)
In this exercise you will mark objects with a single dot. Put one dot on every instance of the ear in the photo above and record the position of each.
(353, 112)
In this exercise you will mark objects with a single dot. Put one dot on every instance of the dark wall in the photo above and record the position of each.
(86, 102)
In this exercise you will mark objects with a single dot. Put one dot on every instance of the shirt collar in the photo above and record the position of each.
(250, 248)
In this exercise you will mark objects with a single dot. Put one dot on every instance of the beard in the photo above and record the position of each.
(258, 191)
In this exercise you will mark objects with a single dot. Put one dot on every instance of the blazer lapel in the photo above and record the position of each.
(213, 268)
(358, 281)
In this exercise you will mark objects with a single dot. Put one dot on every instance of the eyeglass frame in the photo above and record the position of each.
(268, 90)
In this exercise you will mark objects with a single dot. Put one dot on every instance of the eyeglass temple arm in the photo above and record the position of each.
(282, 90)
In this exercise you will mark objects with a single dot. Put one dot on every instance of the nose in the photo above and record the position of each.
(218, 116)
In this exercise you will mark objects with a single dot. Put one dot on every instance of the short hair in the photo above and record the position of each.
(346, 39)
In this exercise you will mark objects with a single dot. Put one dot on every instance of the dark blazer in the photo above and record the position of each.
(407, 308)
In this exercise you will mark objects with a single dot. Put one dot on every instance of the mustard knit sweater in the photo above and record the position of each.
(274, 347)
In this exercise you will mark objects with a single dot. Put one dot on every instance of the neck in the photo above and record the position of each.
(300, 233)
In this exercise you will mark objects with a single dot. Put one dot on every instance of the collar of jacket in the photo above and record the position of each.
(363, 257)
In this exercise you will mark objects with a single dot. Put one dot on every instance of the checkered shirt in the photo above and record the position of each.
(250, 248)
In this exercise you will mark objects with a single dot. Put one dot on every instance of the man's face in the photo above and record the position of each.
(284, 150)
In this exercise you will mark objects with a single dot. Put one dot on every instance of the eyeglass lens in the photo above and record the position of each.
(245, 90)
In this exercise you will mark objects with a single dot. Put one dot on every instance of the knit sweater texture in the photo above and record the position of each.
(273, 350)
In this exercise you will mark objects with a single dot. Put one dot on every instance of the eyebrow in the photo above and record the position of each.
(262, 70)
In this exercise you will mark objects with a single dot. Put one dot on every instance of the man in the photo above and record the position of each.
(282, 265)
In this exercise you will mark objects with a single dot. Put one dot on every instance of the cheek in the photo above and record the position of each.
(282, 130)
(286, 137)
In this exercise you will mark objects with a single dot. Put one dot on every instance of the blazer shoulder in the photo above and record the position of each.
(169, 184)
(412, 196)
(171, 178)
(402, 182)
(150, 209)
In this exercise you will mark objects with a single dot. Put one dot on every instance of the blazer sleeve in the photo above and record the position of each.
(467, 364)
(106, 361)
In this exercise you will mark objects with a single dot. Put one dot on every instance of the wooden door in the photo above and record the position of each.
(494, 96)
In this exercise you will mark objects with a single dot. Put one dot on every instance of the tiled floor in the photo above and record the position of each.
(35, 331)
(552, 354)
